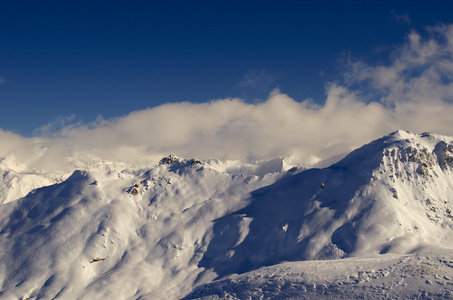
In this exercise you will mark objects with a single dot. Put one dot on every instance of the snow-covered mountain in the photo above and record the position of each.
(194, 229)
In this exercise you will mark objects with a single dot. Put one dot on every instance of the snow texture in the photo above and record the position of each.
(377, 224)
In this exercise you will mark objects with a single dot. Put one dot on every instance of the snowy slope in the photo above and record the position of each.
(17, 179)
(393, 195)
(160, 232)
(390, 276)
(145, 229)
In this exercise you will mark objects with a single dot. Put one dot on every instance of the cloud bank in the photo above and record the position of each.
(413, 91)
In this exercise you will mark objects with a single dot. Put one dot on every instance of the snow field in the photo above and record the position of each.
(377, 224)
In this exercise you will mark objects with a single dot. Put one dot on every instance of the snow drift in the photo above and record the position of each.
(160, 232)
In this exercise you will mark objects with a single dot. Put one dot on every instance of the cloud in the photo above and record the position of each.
(56, 125)
(421, 70)
(2, 80)
(404, 18)
(256, 78)
(230, 129)
(413, 91)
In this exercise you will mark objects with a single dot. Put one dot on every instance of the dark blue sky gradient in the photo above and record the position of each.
(108, 58)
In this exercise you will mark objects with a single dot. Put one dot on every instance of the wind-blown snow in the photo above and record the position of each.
(192, 228)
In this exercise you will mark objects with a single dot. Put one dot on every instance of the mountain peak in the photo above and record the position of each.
(185, 222)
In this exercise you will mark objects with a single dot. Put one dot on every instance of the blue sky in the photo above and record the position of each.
(77, 60)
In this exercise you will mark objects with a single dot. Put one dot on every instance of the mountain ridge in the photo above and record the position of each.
(184, 224)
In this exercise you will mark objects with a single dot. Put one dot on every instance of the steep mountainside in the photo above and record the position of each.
(163, 231)
(392, 195)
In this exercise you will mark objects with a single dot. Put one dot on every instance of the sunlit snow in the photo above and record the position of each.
(377, 224)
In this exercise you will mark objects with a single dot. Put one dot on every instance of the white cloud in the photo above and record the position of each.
(421, 70)
(226, 129)
(56, 125)
(255, 78)
(414, 92)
